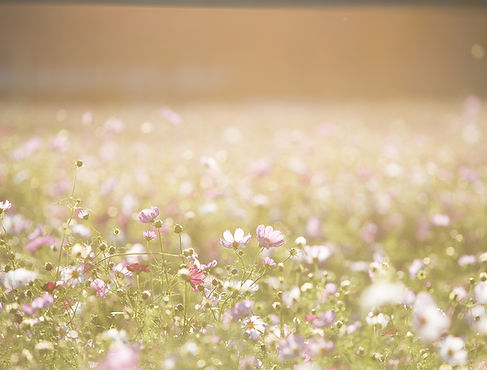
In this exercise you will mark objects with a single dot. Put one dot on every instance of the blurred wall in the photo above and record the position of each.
(111, 52)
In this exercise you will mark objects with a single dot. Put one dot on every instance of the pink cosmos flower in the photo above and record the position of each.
(321, 319)
(148, 215)
(237, 240)
(100, 287)
(149, 235)
(39, 242)
(269, 262)
(121, 356)
(196, 276)
(268, 237)
(38, 303)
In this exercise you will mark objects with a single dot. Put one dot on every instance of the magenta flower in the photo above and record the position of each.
(148, 215)
(237, 240)
(268, 237)
(196, 277)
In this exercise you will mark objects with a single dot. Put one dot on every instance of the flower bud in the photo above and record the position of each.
(178, 229)
(79, 164)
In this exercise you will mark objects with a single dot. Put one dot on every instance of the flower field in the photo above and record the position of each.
(262, 235)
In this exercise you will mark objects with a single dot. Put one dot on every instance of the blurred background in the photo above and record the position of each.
(115, 53)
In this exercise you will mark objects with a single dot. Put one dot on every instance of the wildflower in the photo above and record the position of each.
(121, 271)
(114, 335)
(83, 214)
(137, 267)
(452, 350)
(480, 291)
(72, 275)
(18, 278)
(147, 215)
(467, 259)
(291, 347)
(268, 237)
(39, 242)
(269, 262)
(136, 254)
(416, 266)
(192, 275)
(381, 293)
(440, 220)
(254, 327)
(322, 319)
(237, 240)
(244, 287)
(120, 356)
(379, 319)
(38, 303)
(50, 286)
(315, 254)
(80, 250)
(100, 287)
(315, 347)
(149, 235)
(429, 321)
(5, 205)
(292, 296)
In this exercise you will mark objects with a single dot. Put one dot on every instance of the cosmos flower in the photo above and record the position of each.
(379, 319)
(83, 214)
(315, 254)
(269, 262)
(72, 275)
(237, 240)
(120, 356)
(18, 278)
(428, 320)
(452, 350)
(291, 347)
(121, 271)
(321, 319)
(291, 297)
(38, 303)
(100, 287)
(480, 291)
(137, 267)
(39, 242)
(193, 275)
(149, 235)
(5, 205)
(254, 327)
(148, 215)
(268, 237)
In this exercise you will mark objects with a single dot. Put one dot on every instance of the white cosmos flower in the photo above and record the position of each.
(379, 319)
(237, 240)
(315, 254)
(254, 327)
(17, 278)
(381, 293)
(428, 320)
(291, 297)
(248, 286)
(452, 350)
